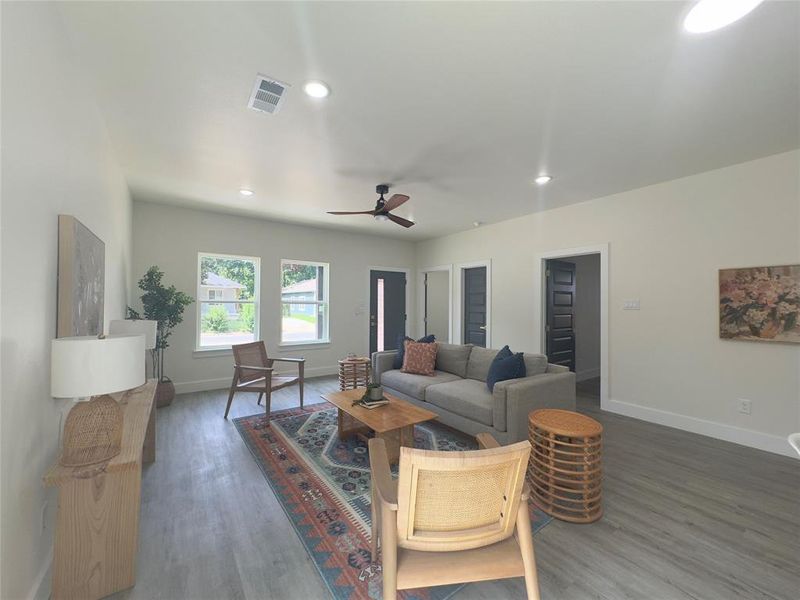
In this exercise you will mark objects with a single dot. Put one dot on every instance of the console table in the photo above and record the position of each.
(97, 525)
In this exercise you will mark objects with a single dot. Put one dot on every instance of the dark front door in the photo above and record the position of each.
(387, 309)
(475, 306)
(560, 327)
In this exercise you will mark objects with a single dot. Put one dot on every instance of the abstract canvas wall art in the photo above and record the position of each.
(81, 279)
(760, 303)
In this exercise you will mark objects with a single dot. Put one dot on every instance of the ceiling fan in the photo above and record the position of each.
(383, 208)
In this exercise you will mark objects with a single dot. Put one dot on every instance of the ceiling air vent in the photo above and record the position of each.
(267, 95)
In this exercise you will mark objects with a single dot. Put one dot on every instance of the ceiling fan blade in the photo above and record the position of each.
(395, 201)
(344, 212)
(401, 220)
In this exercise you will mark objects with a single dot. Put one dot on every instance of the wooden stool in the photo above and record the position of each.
(353, 373)
(565, 470)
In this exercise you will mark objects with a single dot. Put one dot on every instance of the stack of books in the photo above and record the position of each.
(367, 403)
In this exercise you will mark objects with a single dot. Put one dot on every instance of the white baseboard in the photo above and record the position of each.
(223, 383)
(587, 374)
(745, 437)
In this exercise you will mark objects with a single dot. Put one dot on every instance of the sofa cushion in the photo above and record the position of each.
(535, 364)
(479, 361)
(401, 347)
(467, 398)
(452, 358)
(419, 358)
(414, 385)
(506, 365)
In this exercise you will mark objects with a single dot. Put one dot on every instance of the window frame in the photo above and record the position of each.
(326, 279)
(256, 301)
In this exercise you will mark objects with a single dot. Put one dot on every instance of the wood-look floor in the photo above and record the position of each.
(685, 517)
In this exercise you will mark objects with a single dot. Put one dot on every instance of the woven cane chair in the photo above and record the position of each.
(253, 372)
(452, 517)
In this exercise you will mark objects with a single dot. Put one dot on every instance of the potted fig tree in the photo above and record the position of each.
(164, 305)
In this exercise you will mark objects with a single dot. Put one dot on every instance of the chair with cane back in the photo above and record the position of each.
(253, 372)
(452, 517)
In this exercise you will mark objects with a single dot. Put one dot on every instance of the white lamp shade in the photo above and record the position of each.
(136, 327)
(88, 366)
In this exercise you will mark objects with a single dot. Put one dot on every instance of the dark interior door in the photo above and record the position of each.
(475, 306)
(387, 309)
(560, 327)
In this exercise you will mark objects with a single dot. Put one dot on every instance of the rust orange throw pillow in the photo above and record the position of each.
(419, 358)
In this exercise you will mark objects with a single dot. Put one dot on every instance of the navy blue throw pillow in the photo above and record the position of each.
(506, 365)
(401, 347)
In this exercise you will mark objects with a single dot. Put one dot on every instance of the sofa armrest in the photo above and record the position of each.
(551, 368)
(548, 390)
(381, 362)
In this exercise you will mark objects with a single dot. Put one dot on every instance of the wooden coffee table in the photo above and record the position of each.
(393, 422)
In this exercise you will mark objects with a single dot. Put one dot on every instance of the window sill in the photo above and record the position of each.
(307, 344)
(211, 352)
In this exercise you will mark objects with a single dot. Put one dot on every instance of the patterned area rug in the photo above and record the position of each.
(323, 484)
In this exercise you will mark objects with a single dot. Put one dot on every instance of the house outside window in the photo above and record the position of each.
(304, 302)
(228, 300)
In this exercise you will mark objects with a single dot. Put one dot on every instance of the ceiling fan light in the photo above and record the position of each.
(381, 217)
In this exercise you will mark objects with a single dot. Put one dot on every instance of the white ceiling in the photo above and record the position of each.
(457, 105)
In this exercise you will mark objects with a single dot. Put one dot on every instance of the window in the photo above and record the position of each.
(227, 300)
(304, 302)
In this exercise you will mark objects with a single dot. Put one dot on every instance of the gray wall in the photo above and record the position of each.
(56, 159)
(171, 237)
(438, 305)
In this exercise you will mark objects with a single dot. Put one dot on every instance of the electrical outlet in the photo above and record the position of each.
(745, 406)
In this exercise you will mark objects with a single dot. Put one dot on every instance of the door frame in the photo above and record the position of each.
(540, 293)
(421, 299)
(409, 314)
(458, 309)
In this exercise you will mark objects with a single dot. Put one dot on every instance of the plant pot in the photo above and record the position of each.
(165, 393)
(375, 393)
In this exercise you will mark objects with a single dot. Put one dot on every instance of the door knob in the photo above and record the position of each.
(483, 327)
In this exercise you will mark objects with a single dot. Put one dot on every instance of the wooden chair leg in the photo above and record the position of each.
(302, 377)
(376, 526)
(525, 540)
(260, 396)
(230, 395)
(389, 552)
(268, 404)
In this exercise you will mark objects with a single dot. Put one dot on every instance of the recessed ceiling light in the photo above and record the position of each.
(246, 192)
(316, 89)
(708, 15)
(542, 179)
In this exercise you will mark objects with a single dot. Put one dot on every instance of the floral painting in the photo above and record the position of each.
(760, 303)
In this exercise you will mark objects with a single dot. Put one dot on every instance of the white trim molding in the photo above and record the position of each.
(458, 300)
(539, 298)
(223, 383)
(745, 437)
(421, 290)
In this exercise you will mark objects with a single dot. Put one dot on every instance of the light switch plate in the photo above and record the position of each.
(631, 304)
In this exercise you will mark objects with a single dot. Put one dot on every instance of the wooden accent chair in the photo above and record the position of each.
(452, 517)
(253, 372)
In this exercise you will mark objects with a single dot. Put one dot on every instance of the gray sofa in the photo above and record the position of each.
(457, 390)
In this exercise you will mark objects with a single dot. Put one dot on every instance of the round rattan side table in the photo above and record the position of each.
(565, 469)
(353, 373)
